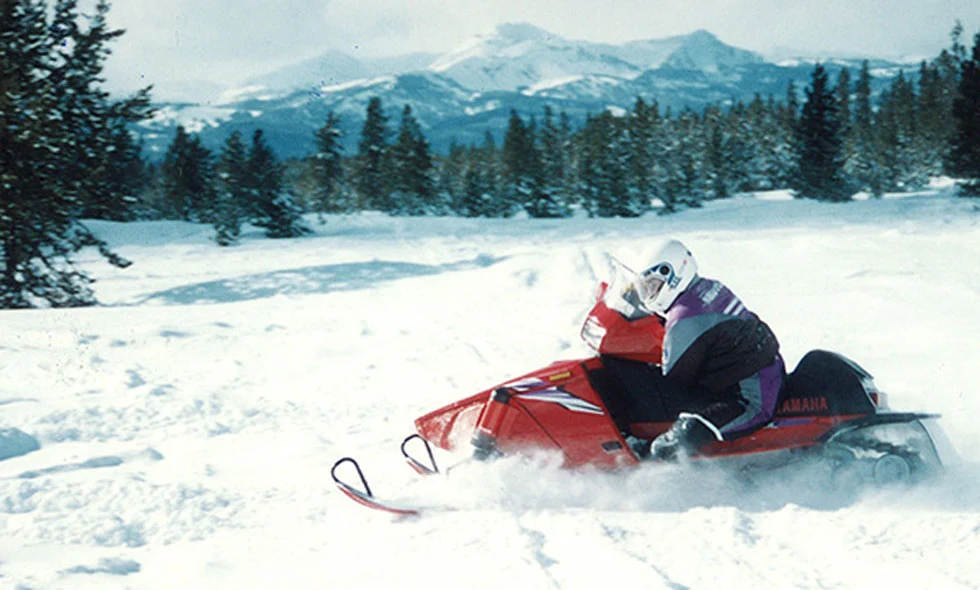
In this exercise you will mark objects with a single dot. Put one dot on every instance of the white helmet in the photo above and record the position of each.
(671, 273)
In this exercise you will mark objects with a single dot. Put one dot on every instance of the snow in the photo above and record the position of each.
(550, 84)
(188, 426)
(194, 118)
(363, 83)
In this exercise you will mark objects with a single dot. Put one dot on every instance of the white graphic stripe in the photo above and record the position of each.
(565, 400)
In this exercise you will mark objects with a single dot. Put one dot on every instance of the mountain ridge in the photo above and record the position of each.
(461, 94)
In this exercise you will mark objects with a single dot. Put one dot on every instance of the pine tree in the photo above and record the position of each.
(554, 140)
(964, 157)
(233, 197)
(478, 195)
(725, 154)
(122, 175)
(331, 193)
(412, 167)
(54, 119)
(685, 182)
(371, 175)
(820, 158)
(481, 180)
(767, 145)
(899, 143)
(645, 150)
(273, 208)
(604, 171)
(451, 184)
(188, 179)
(862, 164)
(938, 88)
(522, 180)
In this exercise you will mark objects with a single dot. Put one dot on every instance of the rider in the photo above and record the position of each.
(715, 348)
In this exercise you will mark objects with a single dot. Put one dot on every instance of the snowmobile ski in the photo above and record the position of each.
(421, 468)
(365, 497)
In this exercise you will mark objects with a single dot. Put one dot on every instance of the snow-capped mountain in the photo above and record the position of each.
(463, 93)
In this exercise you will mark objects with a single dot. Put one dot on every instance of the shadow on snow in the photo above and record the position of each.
(309, 280)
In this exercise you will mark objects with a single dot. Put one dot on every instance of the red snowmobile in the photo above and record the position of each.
(594, 411)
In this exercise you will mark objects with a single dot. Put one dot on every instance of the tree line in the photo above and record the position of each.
(68, 153)
(831, 141)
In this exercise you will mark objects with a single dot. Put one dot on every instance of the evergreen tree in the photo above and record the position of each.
(938, 87)
(554, 141)
(900, 145)
(522, 179)
(725, 154)
(685, 182)
(122, 176)
(90, 166)
(604, 169)
(478, 195)
(54, 120)
(481, 180)
(331, 193)
(820, 161)
(964, 157)
(842, 92)
(451, 183)
(645, 150)
(767, 145)
(188, 179)
(273, 207)
(862, 164)
(233, 196)
(371, 176)
(412, 168)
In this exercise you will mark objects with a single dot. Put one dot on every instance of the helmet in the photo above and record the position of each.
(671, 273)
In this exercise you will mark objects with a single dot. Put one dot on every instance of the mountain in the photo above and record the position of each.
(463, 93)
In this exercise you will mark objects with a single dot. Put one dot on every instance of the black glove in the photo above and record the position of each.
(687, 435)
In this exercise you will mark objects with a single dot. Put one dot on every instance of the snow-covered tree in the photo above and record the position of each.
(451, 171)
(412, 170)
(899, 143)
(522, 182)
(862, 163)
(273, 207)
(371, 171)
(554, 139)
(331, 193)
(481, 182)
(55, 124)
(188, 179)
(233, 197)
(964, 157)
(820, 154)
(604, 169)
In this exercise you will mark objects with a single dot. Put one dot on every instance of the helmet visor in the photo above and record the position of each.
(651, 282)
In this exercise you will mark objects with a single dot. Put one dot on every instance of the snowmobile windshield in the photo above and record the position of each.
(622, 294)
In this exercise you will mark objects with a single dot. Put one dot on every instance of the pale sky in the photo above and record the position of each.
(182, 44)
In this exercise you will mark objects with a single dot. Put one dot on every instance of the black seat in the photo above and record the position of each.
(827, 383)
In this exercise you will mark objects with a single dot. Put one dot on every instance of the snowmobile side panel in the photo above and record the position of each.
(451, 426)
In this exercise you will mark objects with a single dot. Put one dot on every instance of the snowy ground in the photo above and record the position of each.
(187, 427)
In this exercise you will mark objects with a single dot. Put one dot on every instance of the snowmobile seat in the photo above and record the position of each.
(829, 384)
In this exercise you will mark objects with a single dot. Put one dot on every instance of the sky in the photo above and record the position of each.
(182, 45)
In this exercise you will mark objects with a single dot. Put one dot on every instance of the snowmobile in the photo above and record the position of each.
(601, 411)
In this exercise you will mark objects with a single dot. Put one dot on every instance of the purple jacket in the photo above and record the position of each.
(712, 341)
